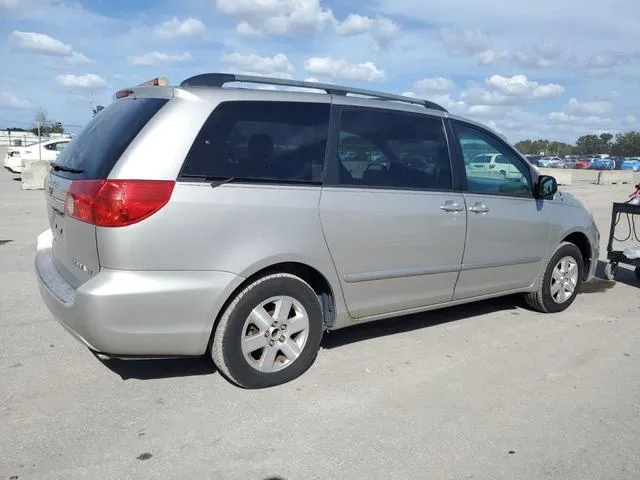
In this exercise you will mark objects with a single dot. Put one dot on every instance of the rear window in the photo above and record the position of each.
(97, 149)
(261, 141)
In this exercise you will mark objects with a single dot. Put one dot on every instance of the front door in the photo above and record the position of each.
(394, 226)
(507, 228)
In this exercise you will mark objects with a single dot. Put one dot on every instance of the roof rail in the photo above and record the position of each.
(220, 79)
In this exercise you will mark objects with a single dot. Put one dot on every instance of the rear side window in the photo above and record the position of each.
(261, 141)
(97, 149)
(391, 149)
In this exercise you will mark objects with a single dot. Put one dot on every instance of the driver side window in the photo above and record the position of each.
(491, 168)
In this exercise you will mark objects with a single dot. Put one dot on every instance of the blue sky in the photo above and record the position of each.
(552, 68)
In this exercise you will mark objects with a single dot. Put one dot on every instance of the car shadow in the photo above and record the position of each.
(157, 369)
(408, 323)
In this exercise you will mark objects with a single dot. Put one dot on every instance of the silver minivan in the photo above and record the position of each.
(243, 223)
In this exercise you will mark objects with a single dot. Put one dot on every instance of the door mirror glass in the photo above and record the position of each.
(547, 186)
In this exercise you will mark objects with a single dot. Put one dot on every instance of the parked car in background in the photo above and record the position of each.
(602, 164)
(583, 163)
(242, 237)
(47, 150)
(533, 159)
(549, 162)
(617, 162)
(633, 165)
(566, 163)
(492, 163)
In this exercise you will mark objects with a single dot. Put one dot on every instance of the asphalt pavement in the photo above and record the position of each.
(484, 391)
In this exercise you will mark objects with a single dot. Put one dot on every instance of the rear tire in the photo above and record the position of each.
(561, 281)
(270, 333)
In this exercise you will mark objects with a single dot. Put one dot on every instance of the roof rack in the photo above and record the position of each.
(220, 79)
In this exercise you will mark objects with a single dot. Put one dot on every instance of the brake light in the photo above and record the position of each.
(116, 203)
(124, 93)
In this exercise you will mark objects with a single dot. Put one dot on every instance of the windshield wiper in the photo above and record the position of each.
(61, 168)
(217, 183)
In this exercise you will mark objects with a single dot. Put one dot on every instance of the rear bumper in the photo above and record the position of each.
(135, 313)
(13, 164)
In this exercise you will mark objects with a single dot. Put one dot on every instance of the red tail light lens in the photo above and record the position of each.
(116, 203)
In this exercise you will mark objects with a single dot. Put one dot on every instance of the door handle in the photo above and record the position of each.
(478, 208)
(450, 206)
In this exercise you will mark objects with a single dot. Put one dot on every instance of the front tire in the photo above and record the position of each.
(270, 333)
(561, 281)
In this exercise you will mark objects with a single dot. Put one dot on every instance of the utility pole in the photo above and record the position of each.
(39, 142)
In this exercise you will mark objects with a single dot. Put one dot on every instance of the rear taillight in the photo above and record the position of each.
(116, 203)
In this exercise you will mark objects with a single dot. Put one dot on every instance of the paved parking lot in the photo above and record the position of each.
(484, 391)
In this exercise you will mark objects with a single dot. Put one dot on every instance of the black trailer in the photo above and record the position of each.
(631, 213)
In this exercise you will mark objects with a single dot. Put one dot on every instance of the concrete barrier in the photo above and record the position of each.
(608, 177)
(562, 176)
(34, 173)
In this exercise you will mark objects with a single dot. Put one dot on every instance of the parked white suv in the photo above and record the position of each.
(493, 164)
(47, 150)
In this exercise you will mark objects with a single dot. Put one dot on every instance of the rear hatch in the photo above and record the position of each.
(77, 175)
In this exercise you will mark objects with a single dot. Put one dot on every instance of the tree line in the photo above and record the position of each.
(625, 144)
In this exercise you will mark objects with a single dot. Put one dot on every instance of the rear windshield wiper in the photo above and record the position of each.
(61, 168)
(217, 183)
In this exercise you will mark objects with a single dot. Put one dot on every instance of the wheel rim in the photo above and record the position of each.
(564, 279)
(275, 334)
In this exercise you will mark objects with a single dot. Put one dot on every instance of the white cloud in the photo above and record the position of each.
(382, 29)
(243, 28)
(10, 101)
(253, 64)
(539, 56)
(489, 56)
(354, 25)
(630, 120)
(469, 41)
(45, 45)
(587, 121)
(300, 18)
(434, 85)
(88, 81)
(586, 109)
(40, 43)
(520, 86)
(342, 69)
(156, 58)
(189, 27)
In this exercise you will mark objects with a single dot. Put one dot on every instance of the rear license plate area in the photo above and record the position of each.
(57, 225)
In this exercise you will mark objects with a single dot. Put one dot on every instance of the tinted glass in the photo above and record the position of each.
(507, 175)
(101, 143)
(270, 141)
(382, 148)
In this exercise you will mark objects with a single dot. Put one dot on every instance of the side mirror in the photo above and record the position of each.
(547, 187)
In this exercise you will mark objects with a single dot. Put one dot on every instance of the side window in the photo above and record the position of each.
(50, 146)
(261, 140)
(61, 145)
(490, 166)
(383, 148)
